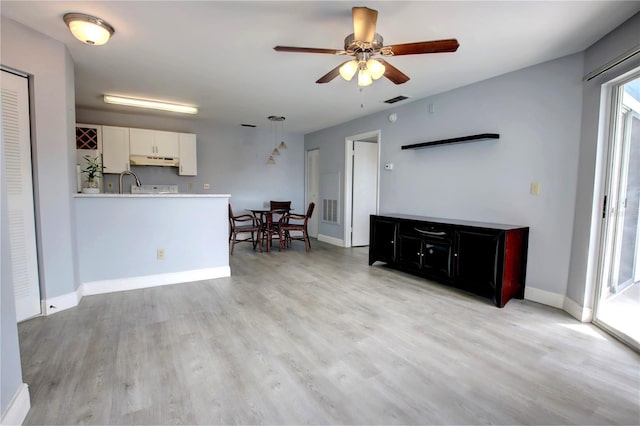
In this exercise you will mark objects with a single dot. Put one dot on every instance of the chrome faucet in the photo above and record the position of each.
(128, 172)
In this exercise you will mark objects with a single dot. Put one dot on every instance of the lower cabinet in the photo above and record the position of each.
(486, 259)
(382, 235)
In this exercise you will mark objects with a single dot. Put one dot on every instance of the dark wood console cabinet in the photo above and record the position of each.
(487, 259)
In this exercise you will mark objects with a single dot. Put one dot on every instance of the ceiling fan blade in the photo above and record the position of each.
(393, 73)
(331, 74)
(434, 46)
(306, 50)
(364, 23)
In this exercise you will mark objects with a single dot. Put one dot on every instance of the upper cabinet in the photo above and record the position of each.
(153, 143)
(115, 149)
(119, 146)
(188, 157)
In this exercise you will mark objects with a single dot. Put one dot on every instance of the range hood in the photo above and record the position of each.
(140, 160)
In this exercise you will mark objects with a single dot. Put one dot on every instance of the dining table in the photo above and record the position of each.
(266, 216)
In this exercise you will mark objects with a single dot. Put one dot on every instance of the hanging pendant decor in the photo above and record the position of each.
(277, 131)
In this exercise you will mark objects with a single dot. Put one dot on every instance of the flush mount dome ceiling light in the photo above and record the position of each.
(88, 29)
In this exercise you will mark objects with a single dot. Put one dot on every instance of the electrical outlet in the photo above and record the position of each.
(160, 254)
(205, 186)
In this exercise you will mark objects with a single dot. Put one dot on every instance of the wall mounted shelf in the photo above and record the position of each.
(453, 140)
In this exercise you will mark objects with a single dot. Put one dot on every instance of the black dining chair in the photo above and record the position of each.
(294, 227)
(244, 224)
(272, 220)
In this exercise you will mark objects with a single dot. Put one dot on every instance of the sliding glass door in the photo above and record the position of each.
(617, 307)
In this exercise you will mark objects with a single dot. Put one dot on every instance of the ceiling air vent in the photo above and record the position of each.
(396, 99)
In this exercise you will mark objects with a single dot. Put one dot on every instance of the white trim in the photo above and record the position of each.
(581, 313)
(545, 297)
(61, 303)
(133, 283)
(70, 300)
(331, 240)
(18, 407)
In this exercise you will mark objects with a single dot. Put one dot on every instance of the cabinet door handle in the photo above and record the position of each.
(434, 233)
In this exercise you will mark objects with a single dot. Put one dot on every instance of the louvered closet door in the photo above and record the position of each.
(17, 172)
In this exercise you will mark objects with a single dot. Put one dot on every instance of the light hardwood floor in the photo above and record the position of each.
(323, 338)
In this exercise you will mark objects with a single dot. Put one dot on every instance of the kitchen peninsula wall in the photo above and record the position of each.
(231, 159)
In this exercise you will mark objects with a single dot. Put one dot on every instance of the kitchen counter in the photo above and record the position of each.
(130, 241)
(103, 195)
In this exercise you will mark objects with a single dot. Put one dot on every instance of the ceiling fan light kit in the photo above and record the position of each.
(364, 43)
(88, 29)
(145, 103)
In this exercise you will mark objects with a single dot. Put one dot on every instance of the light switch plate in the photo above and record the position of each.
(534, 189)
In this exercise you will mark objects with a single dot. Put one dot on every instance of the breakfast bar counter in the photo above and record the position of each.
(128, 241)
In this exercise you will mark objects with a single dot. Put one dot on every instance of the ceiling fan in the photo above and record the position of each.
(364, 44)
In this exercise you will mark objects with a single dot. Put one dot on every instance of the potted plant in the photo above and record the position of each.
(93, 170)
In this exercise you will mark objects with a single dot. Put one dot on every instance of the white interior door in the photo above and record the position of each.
(16, 142)
(313, 189)
(365, 190)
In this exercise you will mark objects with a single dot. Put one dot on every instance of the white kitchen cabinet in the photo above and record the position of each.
(115, 149)
(153, 143)
(188, 157)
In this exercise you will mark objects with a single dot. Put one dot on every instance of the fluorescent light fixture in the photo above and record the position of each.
(143, 103)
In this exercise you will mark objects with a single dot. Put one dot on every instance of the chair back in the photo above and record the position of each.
(280, 205)
(310, 210)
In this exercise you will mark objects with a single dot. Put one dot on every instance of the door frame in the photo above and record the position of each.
(602, 189)
(306, 189)
(32, 189)
(348, 178)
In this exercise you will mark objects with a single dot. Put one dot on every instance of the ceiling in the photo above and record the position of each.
(219, 55)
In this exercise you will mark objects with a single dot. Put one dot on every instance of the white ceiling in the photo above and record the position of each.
(219, 55)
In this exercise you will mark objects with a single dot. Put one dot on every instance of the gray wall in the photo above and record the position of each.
(52, 114)
(231, 159)
(52, 111)
(536, 111)
(119, 237)
(586, 233)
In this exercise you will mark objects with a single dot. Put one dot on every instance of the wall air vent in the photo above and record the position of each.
(330, 211)
(396, 99)
(247, 125)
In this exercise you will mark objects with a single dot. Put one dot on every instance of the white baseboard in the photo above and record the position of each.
(18, 407)
(559, 301)
(134, 283)
(545, 297)
(70, 300)
(580, 313)
(61, 303)
(331, 240)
